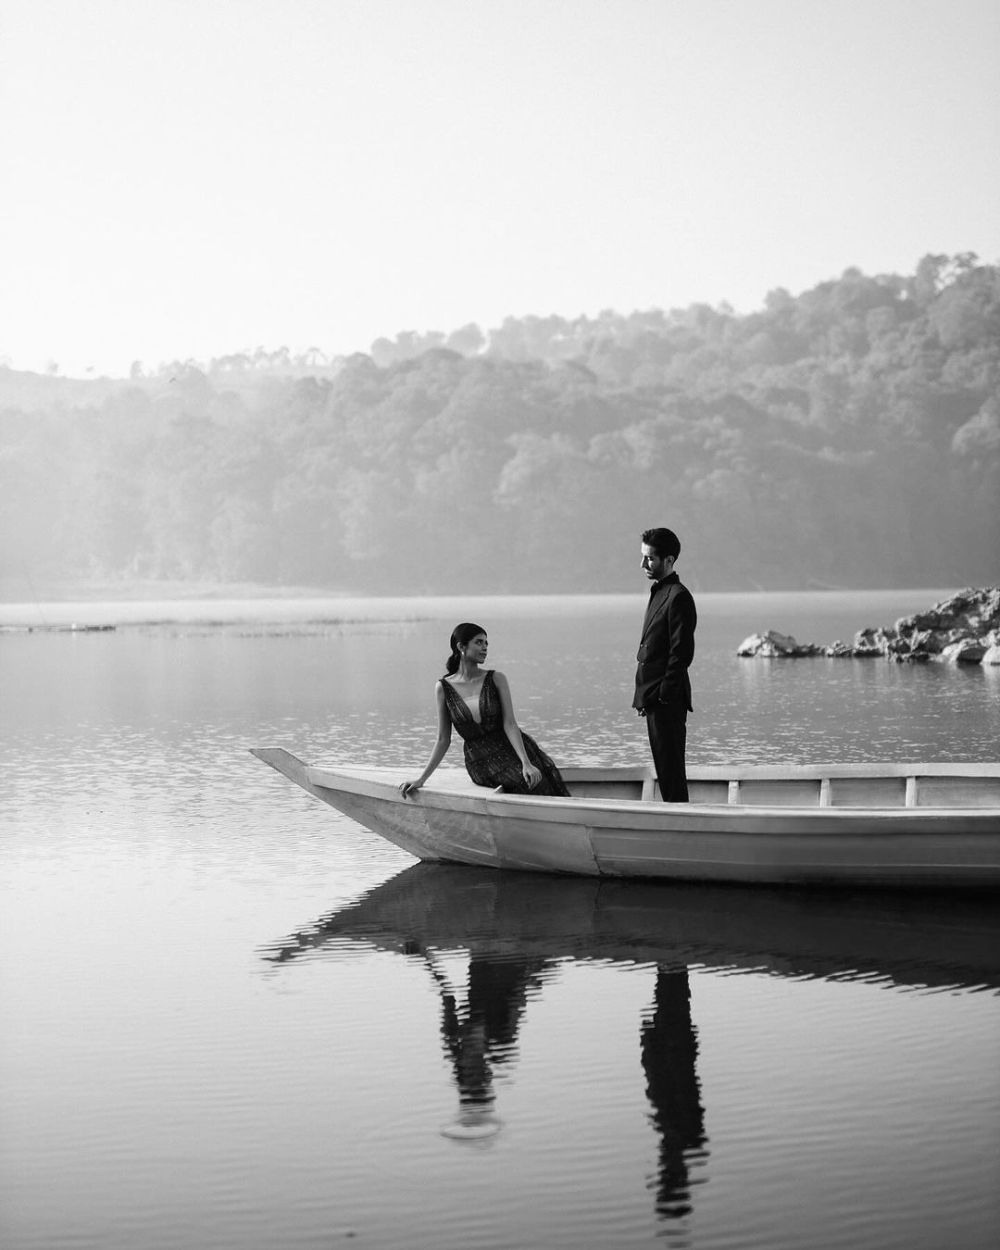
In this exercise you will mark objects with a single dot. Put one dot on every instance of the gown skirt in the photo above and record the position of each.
(489, 757)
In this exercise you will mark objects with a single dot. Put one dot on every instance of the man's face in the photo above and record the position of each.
(654, 566)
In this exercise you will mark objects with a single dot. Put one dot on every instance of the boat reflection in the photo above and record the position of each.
(515, 930)
(931, 940)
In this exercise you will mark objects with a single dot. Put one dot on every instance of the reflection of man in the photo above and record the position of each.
(669, 1052)
(666, 649)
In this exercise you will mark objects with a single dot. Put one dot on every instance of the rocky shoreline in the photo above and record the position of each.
(964, 629)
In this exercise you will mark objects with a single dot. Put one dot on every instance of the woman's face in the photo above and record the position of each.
(475, 649)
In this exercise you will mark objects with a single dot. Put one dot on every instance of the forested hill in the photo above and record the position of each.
(848, 437)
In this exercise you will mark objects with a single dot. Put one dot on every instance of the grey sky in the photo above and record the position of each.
(193, 177)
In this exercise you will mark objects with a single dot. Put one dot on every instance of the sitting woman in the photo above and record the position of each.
(477, 702)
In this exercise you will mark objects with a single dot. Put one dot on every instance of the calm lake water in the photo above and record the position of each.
(234, 1020)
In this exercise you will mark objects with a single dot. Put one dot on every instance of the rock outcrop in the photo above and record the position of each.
(775, 646)
(964, 629)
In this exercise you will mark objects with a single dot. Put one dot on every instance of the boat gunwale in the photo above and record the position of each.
(372, 781)
(720, 772)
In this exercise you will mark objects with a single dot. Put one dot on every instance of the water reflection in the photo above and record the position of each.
(514, 931)
(914, 940)
(669, 1045)
(482, 1035)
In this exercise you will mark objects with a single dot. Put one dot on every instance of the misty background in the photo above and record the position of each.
(846, 437)
(439, 296)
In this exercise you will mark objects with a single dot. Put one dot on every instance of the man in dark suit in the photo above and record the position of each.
(666, 649)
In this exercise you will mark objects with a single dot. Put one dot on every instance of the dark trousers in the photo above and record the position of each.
(667, 731)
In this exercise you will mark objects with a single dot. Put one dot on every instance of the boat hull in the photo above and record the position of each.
(751, 843)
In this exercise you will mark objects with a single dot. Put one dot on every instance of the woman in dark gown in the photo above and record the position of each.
(476, 702)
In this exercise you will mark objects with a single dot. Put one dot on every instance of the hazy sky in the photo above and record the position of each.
(194, 177)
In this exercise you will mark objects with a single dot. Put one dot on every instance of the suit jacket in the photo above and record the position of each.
(666, 648)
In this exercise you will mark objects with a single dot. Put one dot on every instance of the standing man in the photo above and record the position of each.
(666, 649)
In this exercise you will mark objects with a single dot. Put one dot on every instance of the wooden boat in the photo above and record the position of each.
(895, 825)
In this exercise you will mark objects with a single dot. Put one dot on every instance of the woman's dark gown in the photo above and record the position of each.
(489, 756)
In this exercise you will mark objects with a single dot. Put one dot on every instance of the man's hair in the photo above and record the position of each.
(663, 541)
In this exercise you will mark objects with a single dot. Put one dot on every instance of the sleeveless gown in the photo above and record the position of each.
(489, 757)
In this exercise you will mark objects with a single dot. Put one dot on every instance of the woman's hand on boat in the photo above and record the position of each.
(406, 788)
(532, 775)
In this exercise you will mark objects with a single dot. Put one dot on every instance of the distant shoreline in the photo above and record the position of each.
(20, 591)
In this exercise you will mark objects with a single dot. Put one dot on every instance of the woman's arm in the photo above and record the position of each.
(532, 775)
(440, 747)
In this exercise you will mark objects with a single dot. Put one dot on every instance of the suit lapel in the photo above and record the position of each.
(656, 605)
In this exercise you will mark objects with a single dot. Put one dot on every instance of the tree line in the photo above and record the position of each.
(845, 437)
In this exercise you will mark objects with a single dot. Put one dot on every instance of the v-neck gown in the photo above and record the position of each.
(489, 756)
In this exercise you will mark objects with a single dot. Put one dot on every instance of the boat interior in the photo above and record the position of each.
(845, 785)
(953, 786)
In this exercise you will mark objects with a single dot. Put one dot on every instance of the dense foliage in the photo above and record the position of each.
(849, 436)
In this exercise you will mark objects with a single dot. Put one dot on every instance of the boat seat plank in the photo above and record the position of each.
(610, 772)
(957, 791)
(633, 791)
(868, 791)
(708, 791)
(802, 792)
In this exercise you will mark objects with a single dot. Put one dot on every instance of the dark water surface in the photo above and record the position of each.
(233, 1020)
